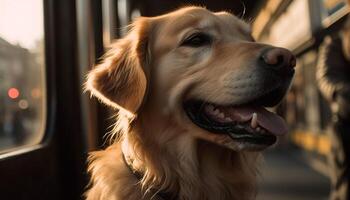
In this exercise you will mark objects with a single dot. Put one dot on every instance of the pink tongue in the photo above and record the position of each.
(266, 119)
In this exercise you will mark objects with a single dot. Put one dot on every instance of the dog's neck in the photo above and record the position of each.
(172, 160)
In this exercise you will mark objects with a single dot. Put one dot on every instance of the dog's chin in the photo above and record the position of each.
(227, 142)
(248, 127)
(243, 146)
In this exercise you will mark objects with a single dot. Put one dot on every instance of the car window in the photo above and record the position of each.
(22, 69)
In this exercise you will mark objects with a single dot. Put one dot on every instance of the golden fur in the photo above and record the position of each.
(146, 76)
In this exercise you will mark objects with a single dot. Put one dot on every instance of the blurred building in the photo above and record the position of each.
(20, 93)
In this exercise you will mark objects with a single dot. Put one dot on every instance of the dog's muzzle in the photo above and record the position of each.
(250, 122)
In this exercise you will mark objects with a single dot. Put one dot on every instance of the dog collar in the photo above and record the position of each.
(160, 194)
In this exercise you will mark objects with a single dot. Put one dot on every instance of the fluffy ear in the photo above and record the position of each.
(120, 80)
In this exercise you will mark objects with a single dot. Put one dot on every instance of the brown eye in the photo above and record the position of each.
(197, 40)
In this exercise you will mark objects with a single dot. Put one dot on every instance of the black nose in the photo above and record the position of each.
(279, 59)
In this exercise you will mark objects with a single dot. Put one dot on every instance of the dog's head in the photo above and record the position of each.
(204, 72)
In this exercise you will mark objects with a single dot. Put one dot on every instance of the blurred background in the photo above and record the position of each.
(47, 123)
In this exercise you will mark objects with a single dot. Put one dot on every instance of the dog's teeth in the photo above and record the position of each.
(227, 119)
(221, 115)
(254, 122)
(215, 111)
(210, 107)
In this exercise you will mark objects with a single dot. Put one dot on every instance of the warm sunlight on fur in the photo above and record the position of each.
(190, 89)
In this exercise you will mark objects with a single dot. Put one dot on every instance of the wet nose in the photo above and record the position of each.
(279, 59)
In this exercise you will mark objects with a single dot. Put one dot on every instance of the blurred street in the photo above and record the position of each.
(286, 176)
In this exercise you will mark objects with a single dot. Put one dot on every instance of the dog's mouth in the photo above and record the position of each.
(249, 123)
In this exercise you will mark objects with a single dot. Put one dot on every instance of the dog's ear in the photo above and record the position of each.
(120, 80)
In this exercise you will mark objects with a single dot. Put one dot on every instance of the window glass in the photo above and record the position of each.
(22, 88)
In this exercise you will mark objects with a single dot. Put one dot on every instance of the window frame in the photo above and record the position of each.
(23, 148)
(48, 99)
(55, 168)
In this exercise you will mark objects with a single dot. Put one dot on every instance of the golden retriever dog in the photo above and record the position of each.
(189, 89)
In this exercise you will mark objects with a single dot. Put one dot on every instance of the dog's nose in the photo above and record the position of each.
(279, 59)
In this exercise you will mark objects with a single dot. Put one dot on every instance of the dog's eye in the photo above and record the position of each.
(197, 40)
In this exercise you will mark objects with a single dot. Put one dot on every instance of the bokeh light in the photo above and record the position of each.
(13, 93)
(23, 104)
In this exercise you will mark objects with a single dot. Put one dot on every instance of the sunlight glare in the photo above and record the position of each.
(21, 22)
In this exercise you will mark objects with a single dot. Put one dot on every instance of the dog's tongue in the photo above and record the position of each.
(266, 119)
